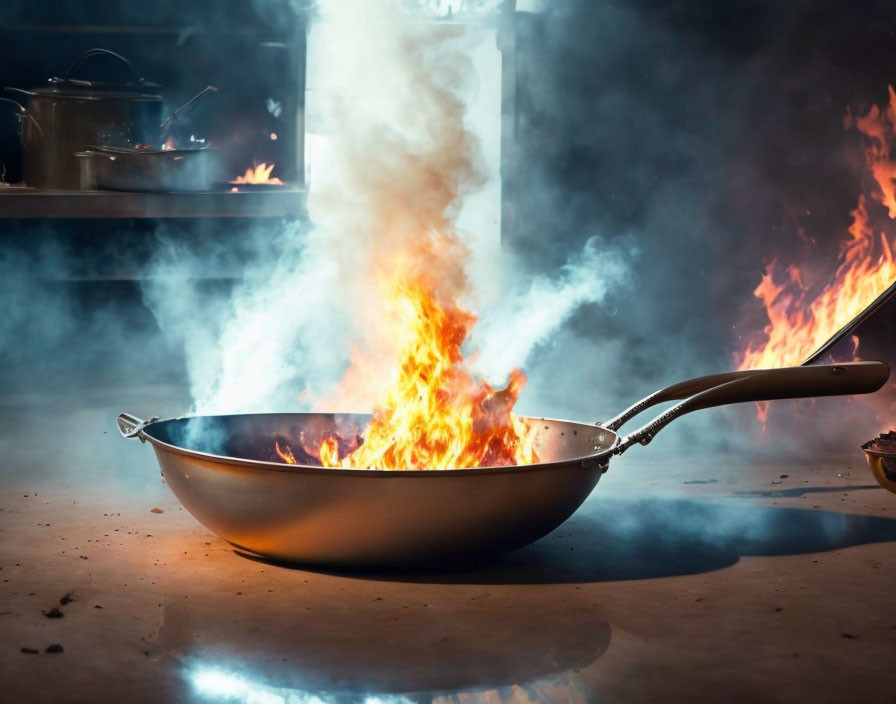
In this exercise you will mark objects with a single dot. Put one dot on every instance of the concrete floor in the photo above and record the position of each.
(676, 581)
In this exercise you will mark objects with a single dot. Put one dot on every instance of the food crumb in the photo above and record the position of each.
(54, 648)
(53, 613)
(30, 651)
(156, 510)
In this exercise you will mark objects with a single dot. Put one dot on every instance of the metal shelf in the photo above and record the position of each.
(23, 202)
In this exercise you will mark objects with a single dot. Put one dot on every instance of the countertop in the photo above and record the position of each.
(686, 580)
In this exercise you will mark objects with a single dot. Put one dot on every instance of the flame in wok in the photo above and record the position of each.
(436, 414)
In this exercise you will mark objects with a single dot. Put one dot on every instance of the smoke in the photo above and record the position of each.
(524, 318)
(713, 137)
(400, 162)
(61, 329)
(661, 155)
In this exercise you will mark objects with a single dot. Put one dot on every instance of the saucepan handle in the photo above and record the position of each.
(166, 125)
(770, 385)
(132, 427)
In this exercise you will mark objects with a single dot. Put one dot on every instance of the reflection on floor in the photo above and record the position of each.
(753, 587)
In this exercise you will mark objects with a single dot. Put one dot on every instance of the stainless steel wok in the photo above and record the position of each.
(224, 471)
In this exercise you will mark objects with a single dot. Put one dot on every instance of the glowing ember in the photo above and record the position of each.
(259, 175)
(799, 322)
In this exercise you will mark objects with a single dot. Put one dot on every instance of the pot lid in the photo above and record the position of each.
(137, 88)
(94, 90)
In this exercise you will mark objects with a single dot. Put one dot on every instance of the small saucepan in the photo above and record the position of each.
(165, 170)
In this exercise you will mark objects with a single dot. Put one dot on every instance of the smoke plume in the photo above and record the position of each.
(400, 160)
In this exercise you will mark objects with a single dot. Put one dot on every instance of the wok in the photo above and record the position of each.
(224, 471)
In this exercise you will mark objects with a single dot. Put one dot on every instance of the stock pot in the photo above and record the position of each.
(70, 114)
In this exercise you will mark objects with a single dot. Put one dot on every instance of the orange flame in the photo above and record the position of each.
(260, 174)
(799, 323)
(436, 414)
(285, 454)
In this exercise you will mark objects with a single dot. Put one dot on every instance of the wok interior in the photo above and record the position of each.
(252, 437)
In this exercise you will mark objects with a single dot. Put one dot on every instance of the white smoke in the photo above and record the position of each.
(524, 317)
(398, 160)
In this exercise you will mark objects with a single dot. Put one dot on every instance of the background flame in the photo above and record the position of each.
(259, 174)
(800, 321)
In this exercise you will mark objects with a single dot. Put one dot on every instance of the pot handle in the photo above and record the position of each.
(23, 111)
(132, 427)
(100, 52)
(770, 385)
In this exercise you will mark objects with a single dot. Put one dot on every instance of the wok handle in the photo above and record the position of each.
(688, 388)
(132, 427)
(675, 392)
(769, 385)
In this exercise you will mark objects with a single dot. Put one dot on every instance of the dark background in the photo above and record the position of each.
(706, 137)
(711, 135)
(252, 52)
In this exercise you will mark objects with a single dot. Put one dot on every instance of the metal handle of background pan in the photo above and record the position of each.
(767, 385)
(135, 74)
(166, 125)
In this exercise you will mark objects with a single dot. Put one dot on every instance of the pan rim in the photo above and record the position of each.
(593, 460)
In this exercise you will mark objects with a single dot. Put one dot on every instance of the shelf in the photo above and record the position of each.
(22, 202)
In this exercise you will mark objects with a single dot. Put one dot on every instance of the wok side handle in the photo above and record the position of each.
(132, 427)
(770, 385)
